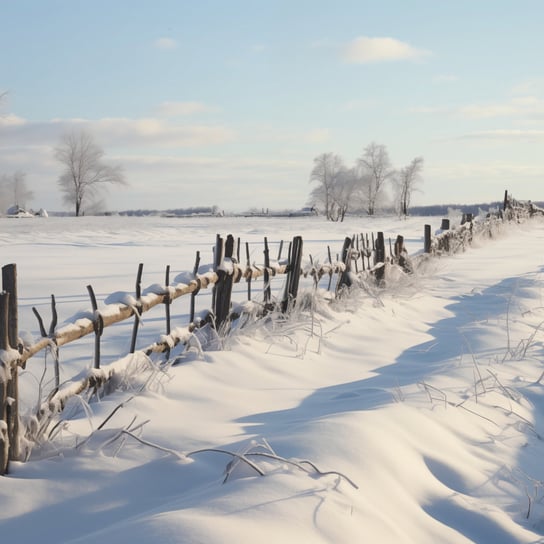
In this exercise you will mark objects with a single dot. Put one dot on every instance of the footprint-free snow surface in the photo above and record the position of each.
(410, 414)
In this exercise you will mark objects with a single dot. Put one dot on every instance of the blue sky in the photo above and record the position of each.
(228, 102)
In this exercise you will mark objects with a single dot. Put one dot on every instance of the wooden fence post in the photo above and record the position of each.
(98, 325)
(9, 285)
(293, 274)
(224, 284)
(195, 293)
(4, 380)
(137, 312)
(427, 239)
(167, 298)
(380, 256)
(344, 278)
(445, 224)
(248, 265)
(267, 295)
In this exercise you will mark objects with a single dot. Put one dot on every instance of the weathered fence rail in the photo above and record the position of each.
(361, 255)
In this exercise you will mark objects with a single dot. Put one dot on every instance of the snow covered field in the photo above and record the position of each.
(421, 406)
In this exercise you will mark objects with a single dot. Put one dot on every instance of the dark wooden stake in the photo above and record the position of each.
(344, 277)
(4, 379)
(9, 285)
(249, 274)
(380, 256)
(167, 299)
(293, 274)
(224, 284)
(98, 326)
(267, 293)
(194, 293)
(427, 239)
(137, 312)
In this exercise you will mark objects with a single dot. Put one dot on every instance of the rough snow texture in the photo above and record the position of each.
(427, 396)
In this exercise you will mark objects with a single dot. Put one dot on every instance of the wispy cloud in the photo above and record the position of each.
(504, 134)
(521, 106)
(118, 132)
(11, 120)
(165, 43)
(173, 109)
(317, 136)
(364, 50)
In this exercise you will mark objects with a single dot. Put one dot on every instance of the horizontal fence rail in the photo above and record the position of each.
(362, 256)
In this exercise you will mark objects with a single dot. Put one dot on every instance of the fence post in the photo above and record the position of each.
(445, 224)
(249, 273)
(293, 274)
(427, 239)
(346, 259)
(266, 277)
(9, 285)
(4, 379)
(224, 283)
(195, 293)
(98, 326)
(380, 256)
(137, 311)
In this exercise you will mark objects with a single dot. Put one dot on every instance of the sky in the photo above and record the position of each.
(228, 103)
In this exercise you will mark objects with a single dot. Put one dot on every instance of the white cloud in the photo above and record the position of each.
(11, 120)
(165, 43)
(118, 132)
(521, 106)
(156, 132)
(172, 109)
(317, 136)
(365, 50)
(505, 134)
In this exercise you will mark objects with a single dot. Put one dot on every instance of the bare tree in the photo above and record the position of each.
(14, 191)
(344, 193)
(407, 181)
(21, 193)
(376, 172)
(85, 174)
(327, 171)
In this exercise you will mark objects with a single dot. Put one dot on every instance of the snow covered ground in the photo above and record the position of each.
(419, 409)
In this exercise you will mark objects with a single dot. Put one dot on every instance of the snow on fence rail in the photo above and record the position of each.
(362, 256)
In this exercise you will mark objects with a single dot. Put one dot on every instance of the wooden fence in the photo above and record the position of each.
(361, 255)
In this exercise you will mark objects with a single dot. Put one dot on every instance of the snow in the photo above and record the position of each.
(418, 407)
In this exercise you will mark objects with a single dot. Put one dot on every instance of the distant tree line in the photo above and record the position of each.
(364, 186)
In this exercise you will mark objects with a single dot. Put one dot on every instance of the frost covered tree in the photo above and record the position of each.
(85, 174)
(14, 191)
(376, 171)
(406, 182)
(19, 190)
(345, 191)
(327, 173)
